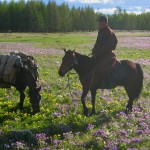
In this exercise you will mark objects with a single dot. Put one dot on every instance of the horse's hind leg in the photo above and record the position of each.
(129, 105)
(130, 101)
(93, 94)
(83, 97)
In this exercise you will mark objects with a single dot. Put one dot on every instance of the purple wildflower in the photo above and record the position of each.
(99, 132)
(125, 140)
(141, 119)
(56, 114)
(122, 113)
(90, 126)
(131, 116)
(6, 146)
(46, 148)
(77, 133)
(147, 131)
(18, 145)
(57, 141)
(68, 135)
(75, 104)
(136, 140)
(139, 131)
(111, 145)
(144, 125)
(123, 132)
(72, 143)
(137, 109)
(41, 136)
(145, 115)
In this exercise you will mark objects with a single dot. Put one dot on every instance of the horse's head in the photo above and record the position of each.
(35, 98)
(68, 62)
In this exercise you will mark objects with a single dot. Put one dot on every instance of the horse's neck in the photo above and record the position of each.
(84, 64)
(30, 82)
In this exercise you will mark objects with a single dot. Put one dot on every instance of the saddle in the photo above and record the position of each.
(7, 70)
(28, 62)
(115, 77)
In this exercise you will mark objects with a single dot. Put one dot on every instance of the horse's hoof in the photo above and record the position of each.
(92, 113)
(19, 106)
(86, 112)
(128, 111)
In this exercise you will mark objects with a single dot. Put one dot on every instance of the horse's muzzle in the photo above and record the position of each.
(62, 74)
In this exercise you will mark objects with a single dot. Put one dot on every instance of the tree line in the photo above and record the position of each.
(124, 21)
(36, 16)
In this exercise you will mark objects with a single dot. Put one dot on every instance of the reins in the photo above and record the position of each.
(92, 79)
(70, 86)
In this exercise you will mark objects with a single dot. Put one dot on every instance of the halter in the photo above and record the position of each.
(74, 62)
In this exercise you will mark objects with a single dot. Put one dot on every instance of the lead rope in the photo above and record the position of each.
(70, 87)
(71, 95)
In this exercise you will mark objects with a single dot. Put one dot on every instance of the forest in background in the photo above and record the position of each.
(36, 16)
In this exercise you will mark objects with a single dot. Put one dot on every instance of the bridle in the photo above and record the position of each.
(74, 63)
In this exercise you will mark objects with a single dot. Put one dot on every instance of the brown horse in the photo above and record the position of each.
(124, 73)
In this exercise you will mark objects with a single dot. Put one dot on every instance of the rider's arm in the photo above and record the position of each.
(109, 44)
(99, 41)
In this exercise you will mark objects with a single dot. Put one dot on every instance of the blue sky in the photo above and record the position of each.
(109, 6)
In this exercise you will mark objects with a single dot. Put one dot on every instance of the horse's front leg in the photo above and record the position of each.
(22, 97)
(83, 97)
(93, 94)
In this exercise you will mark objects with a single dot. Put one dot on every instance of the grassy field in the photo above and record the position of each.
(61, 124)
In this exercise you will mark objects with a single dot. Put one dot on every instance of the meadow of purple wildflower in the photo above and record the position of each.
(60, 124)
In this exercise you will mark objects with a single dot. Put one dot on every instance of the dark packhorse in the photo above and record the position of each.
(25, 78)
(124, 73)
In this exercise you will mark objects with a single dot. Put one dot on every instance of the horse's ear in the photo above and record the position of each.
(73, 52)
(65, 50)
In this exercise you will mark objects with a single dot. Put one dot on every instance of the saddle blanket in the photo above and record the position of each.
(7, 70)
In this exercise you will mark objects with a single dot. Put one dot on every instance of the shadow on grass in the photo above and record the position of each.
(29, 136)
(14, 109)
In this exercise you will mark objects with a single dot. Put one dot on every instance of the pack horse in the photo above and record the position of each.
(20, 70)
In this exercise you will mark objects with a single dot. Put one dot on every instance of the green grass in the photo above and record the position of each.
(49, 40)
(126, 53)
(61, 118)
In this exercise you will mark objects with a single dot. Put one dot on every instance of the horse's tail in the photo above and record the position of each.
(139, 82)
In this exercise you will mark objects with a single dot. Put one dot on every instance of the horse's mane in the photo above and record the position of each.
(82, 57)
(84, 60)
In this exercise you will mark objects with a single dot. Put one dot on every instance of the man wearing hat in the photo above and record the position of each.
(102, 52)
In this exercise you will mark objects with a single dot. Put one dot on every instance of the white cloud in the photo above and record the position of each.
(107, 1)
(112, 10)
(105, 10)
(70, 1)
(147, 10)
(138, 7)
(134, 11)
(91, 1)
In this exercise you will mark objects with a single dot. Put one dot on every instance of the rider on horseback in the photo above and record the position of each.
(102, 52)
